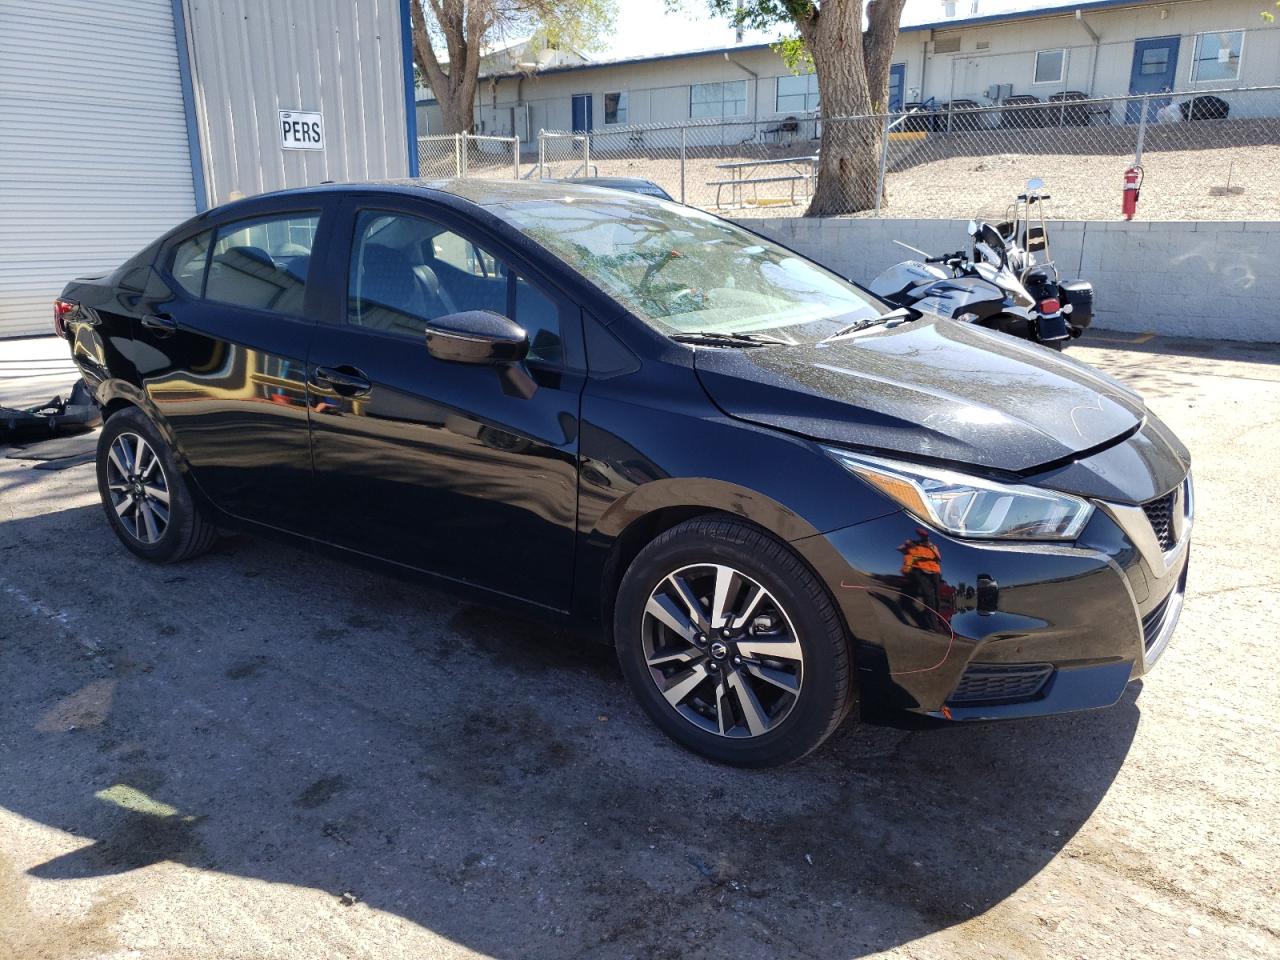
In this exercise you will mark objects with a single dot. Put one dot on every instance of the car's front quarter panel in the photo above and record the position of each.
(653, 441)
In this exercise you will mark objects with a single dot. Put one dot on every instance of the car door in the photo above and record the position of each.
(224, 359)
(433, 464)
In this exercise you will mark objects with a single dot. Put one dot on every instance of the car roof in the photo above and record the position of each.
(479, 192)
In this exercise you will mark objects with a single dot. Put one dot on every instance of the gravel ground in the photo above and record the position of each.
(979, 174)
(265, 754)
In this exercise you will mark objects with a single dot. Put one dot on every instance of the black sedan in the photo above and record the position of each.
(775, 496)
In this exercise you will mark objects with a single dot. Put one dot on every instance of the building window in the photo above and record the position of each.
(1049, 65)
(615, 107)
(727, 99)
(797, 94)
(1154, 62)
(1217, 56)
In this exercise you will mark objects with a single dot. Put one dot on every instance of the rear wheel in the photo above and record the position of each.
(732, 645)
(144, 494)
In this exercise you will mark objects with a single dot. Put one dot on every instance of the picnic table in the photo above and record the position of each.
(802, 170)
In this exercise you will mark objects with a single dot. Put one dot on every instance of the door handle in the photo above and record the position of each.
(346, 381)
(160, 323)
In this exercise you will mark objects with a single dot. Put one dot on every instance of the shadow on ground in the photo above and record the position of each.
(265, 713)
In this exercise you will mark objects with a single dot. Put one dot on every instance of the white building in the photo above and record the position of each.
(119, 119)
(1102, 49)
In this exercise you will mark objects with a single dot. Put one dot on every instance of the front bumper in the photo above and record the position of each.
(1004, 629)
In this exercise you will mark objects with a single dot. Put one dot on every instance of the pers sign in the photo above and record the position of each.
(301, 131)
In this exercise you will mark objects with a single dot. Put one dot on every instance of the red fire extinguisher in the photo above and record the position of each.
(1132, 184)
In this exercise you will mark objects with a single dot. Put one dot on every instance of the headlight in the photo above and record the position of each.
(966, 506)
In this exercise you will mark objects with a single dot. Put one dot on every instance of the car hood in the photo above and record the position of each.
(929, 388)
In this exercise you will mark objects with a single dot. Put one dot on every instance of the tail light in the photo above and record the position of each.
(62, 309)
(1050, 305)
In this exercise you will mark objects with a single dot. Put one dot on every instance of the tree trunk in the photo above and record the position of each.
(851, 86)
(849, 159)
(455, 90)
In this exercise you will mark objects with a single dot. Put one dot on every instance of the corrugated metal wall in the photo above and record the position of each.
(254, 58)
(94, 162)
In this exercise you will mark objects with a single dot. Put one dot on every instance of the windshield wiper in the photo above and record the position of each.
(890, 319)
(718, 338)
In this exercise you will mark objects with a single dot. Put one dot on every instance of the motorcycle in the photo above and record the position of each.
(999, 282)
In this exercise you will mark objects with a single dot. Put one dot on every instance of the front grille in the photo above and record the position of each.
(1000, 683)
(1160, 513)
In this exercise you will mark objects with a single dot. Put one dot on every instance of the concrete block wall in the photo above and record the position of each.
(1195, 279)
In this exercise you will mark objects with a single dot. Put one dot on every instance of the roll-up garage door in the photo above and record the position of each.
(94, 161)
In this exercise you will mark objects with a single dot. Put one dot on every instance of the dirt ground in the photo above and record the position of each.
(265, 754)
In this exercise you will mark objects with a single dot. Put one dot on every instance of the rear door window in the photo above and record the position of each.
(189, 262)
(263, 263)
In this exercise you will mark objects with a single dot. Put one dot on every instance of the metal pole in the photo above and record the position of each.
(586, 154)
(884, 162)
(542, 153)
(464, 150)
(683, 145)
(1142, 129)
(951, 95)
(515, 158)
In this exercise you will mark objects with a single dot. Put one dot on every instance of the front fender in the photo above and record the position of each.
(705, 492)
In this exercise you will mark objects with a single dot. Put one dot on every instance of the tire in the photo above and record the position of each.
(794, 704)
(136, 508)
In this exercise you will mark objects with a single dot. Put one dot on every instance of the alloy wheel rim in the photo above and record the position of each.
(138, 488)
(722, 651)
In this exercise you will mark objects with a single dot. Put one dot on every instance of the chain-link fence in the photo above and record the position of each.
(1207, 154)
(468, 155)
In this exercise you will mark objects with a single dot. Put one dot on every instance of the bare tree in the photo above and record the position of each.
(852, 65)
(465, 27)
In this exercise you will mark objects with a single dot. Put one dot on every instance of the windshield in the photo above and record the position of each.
(685, 271)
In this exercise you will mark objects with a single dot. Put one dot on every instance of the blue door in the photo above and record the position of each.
(582, 113)
(1155, 66)
(897, 83)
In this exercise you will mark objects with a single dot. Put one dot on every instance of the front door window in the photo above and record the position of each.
(407, 270)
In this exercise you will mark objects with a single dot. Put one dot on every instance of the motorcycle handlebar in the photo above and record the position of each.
(946, 257)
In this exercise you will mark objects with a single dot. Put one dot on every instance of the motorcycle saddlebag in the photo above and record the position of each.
(1078, 293)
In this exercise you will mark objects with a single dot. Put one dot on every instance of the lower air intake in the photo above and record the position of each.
(1000, 683)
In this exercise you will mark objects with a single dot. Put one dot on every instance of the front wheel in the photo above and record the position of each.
(732, 645)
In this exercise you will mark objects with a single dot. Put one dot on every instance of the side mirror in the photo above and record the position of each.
(1035, 185)
(477, 336)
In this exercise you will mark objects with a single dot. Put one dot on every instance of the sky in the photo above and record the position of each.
(646, 27)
